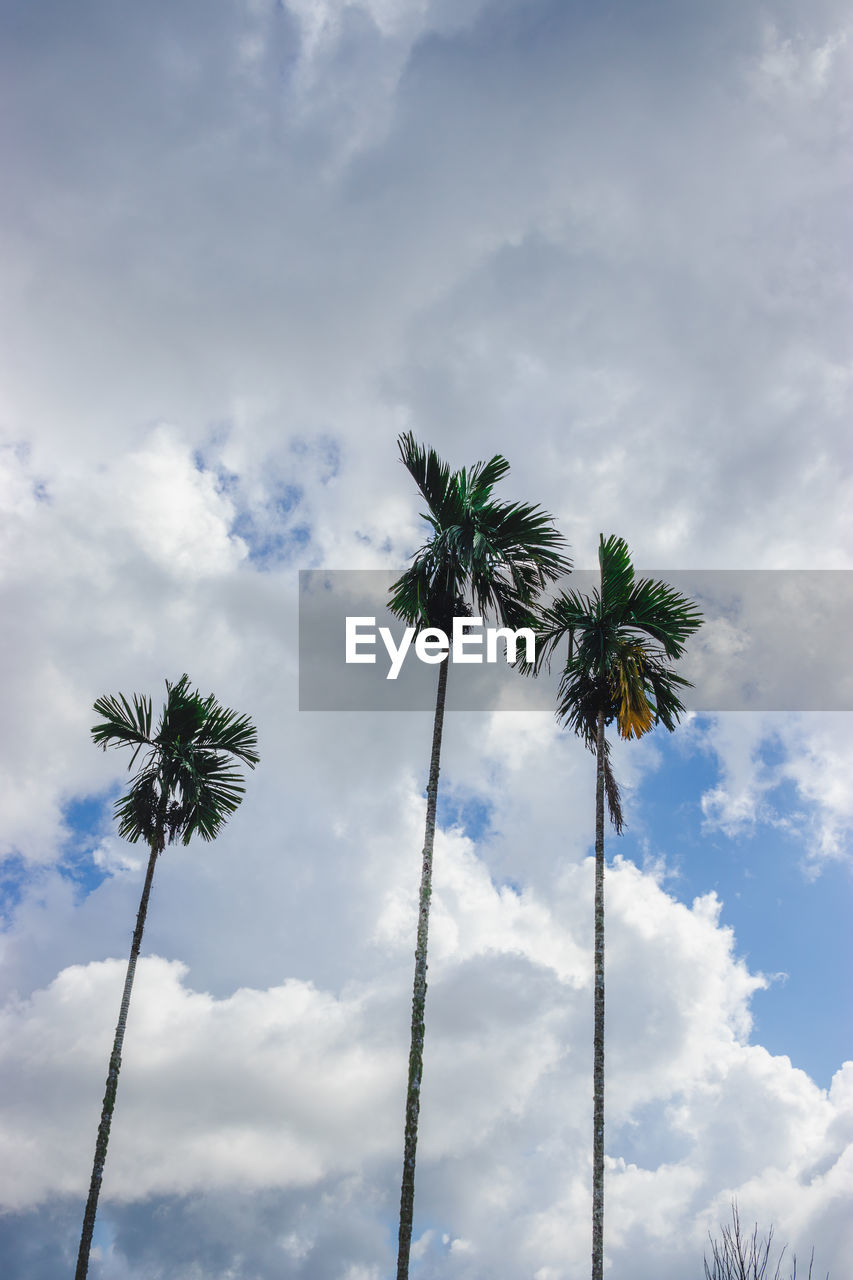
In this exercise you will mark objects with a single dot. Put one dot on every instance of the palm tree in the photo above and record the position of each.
(495, 556)
(621, 641)
(185, 784)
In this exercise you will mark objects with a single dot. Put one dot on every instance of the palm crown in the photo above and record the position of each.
(186, 782)
(499, 553)
(622, 638)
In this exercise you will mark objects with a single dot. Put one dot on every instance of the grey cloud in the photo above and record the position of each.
(608, 245)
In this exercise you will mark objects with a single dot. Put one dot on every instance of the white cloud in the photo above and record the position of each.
(796, 68)
(264, 1088)
(617, 255)
(94, 569)
(174, 512)
(282, 1087)
(809, 750)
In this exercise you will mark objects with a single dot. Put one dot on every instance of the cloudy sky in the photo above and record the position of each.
(244, 245)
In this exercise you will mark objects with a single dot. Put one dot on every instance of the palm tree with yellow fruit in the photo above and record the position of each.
(622, 640)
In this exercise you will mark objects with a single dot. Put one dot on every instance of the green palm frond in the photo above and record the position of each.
(431, 475)
(663, 614)
(617, 573)
(496, 555)
(224, 730)
(482, 478)
(186, 784)
(137, 811)
(570, 612)
(123, 724)
(525, 536)
(207, 796)
(621, 641)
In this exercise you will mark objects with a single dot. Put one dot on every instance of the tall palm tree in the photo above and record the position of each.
(622, 640)
(494, 556)
(186, 784)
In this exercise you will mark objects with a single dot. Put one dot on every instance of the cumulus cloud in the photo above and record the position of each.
(292, 1086)
(759, 754)
(93, 561)
(242, 250)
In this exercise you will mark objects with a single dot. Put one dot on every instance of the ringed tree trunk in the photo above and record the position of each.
(112, 1074)
(416, 1052)
(598, 1033)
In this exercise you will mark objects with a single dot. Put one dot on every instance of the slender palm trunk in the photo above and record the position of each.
(598, 1033)
(416, 1052)
(112, 1077)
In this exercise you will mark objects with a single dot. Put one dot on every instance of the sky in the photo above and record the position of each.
(245, 246)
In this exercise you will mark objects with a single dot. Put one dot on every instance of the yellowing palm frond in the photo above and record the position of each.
(634, 713)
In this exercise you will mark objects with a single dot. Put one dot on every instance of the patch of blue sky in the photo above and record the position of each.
(199, 461)
(431, 1238)
(15, 874)
(103, 1236)
(87, 820)
(785, 922)
(269, 541)
(472, 814)
(269, 531)
(287, 499)
(460, 808)
(648, 1139)
(514, 886)
(206, 460)
(771, 752)
(227, 482)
